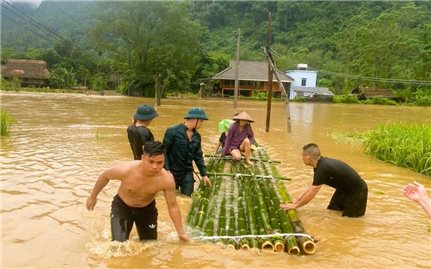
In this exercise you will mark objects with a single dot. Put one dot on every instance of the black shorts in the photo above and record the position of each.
(352, 204)
(123, 217)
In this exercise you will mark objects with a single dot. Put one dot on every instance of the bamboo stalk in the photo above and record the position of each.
(247, 175)
(229, 158)
(307, 245)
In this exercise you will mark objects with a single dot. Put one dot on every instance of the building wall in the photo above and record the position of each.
(301, 76)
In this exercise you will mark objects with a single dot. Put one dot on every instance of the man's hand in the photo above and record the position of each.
(207, 181)
(183, 237)
(91, 202)
(288, 206)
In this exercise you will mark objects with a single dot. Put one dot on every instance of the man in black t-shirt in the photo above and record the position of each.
(351, 191)
(138, 133)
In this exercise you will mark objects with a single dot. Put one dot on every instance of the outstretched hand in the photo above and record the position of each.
(415, 191)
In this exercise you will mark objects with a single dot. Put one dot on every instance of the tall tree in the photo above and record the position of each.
(152, 38)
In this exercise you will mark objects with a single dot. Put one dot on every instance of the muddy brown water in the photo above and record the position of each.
(62, 142)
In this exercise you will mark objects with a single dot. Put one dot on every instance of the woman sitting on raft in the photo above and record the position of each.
(239, 138)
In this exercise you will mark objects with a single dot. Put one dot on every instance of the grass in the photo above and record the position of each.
(6, 122)
(405, 145)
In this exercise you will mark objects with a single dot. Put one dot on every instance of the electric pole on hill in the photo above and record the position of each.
(235, 97)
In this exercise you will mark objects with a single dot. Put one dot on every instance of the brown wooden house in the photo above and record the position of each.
(30, 72)
(253, 77)
(364, 93)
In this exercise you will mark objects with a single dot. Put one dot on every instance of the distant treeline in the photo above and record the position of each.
(127, 45)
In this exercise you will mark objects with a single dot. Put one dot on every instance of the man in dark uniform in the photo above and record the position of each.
(183, 146)
(351, 191)
(138, 133)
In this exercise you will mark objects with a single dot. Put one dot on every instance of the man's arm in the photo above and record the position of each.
(102, 181)
(304, 198)
(174, 209)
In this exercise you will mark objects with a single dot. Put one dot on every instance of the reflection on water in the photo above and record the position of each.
(62, 142)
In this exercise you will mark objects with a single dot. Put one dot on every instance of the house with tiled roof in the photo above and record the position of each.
(252, 77)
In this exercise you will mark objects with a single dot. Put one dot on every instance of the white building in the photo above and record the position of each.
(304, 83)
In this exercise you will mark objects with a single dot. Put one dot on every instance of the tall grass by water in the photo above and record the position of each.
(6, 122)
(405, 145)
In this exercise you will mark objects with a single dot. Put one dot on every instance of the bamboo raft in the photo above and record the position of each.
(242, 208)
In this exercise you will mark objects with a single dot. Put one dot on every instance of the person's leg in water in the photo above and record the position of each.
(146, 221)
(121, 220)
(187, 184)
(337, 201)
(356, 204)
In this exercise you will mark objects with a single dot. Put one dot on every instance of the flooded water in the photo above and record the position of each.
(62, 142)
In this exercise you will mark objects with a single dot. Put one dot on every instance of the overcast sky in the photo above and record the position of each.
(34, 3)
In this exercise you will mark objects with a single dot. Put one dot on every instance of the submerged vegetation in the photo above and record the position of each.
(6, 122)
(405, 145)
(402, 144)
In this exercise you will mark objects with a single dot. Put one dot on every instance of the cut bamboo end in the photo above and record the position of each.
(309, 247)
(245, 247)
(220, 244)
(267, 246)
(278, 247)
(230, 246)
(294, 251)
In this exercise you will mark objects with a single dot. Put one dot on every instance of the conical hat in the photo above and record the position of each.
(243, 116)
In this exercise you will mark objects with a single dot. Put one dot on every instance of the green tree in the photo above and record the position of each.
(152, 38)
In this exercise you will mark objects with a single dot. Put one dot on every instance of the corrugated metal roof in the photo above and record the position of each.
(250, 71)
(313, 90)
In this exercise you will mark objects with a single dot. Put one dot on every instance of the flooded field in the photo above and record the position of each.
(62, 142)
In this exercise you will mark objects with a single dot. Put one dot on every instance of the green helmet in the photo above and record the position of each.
(145, 112)
(196, 113)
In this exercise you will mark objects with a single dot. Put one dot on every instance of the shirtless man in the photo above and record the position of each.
(135, 201)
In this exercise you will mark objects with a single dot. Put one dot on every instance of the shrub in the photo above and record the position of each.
(401, 144)
(6, 122)
(350, 99)
(380, 101)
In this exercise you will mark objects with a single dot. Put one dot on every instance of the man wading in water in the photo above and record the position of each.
(351, 191)
(135, 201)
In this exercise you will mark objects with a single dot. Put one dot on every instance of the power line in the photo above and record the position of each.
(25, 27)
(375, 79)
(23, 16)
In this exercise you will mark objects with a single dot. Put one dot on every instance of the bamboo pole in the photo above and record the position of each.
(247, 175)
(229, 158)
(307, 245)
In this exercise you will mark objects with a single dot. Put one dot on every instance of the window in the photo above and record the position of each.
(303, 82)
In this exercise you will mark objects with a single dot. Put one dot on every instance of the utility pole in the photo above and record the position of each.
(270, 72)
(235, 97)
(281, 86)
(157, 90)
